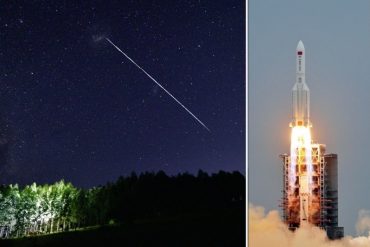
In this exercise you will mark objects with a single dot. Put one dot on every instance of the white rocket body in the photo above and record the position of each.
(300, 91)
(301, 117)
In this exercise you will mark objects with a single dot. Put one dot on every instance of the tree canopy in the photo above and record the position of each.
(41, 209)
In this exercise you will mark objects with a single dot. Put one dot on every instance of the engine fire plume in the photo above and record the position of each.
(300, 175)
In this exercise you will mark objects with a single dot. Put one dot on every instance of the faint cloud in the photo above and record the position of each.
(363, 221)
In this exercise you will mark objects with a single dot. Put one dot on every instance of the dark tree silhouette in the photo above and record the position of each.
(59, 207)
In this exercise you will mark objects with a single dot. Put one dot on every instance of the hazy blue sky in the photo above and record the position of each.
(336, 35)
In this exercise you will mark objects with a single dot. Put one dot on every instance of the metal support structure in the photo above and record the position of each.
(324, 201)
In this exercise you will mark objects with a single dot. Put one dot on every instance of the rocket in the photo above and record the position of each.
(301, 119)
(300, 91)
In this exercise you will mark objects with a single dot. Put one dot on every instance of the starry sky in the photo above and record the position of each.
(336, 36)
(75, 109)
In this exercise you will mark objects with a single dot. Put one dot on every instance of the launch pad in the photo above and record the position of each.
(321, 207)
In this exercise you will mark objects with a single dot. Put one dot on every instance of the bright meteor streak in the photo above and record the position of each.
(173, 97)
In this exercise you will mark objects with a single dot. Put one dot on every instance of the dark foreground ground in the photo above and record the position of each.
(218, 228)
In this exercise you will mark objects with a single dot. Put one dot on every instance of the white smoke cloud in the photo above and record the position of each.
(267, 230)
(363, 221)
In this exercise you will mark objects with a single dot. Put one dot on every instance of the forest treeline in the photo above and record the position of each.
(42, 209)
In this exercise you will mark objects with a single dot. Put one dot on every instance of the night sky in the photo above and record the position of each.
(75, 109)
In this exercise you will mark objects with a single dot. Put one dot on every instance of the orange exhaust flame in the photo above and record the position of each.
(300, 176)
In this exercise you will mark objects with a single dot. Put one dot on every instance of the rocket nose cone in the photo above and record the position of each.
(300, 46)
